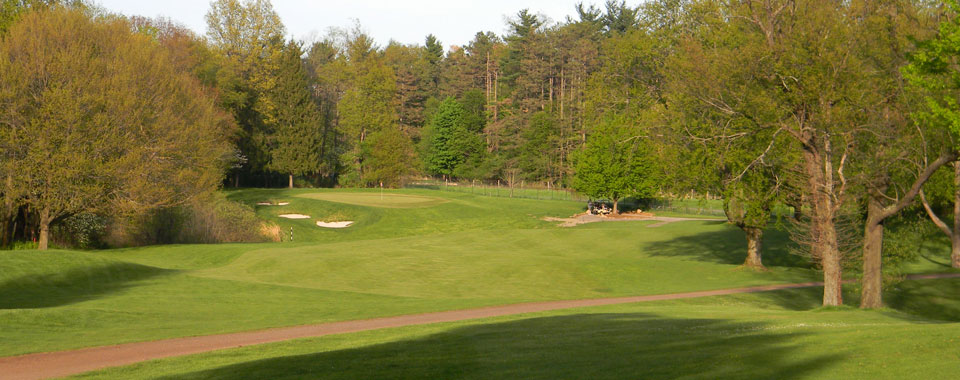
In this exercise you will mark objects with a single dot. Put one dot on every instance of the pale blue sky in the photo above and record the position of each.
(453, 22)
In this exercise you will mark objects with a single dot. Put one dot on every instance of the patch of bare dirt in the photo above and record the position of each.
(585, 217)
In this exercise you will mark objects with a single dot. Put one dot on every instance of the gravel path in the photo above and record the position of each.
(64, 363)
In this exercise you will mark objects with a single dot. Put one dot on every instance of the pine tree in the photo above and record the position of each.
(298, 125)
(442, 153)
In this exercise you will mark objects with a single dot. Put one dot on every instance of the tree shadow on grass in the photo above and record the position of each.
(81, 284)
(931, 299)
(729, 246)
(583, 346)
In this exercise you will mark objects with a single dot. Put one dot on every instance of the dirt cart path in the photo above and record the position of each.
(64, 363)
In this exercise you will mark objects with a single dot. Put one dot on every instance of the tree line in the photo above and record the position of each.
(845, 111)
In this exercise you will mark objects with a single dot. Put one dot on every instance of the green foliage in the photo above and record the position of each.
(538, 158)
(249, 35)
(298, 125)
(474, 111)
(86, 230)
(11, 10)
(80, 131)
(452, 146)
(434, 51)
(441, 138)
(365, 110)
(208, 219)
(933, 68)
(614, 164)
(389, 157)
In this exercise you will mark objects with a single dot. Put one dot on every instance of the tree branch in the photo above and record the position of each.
(933, 216)
(917, 185)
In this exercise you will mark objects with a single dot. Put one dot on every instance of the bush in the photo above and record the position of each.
(209, 219)
(85, 230)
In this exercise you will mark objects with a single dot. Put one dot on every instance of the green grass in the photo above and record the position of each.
(467, 251)
(388, 200)
(778, 335)
(450, 250)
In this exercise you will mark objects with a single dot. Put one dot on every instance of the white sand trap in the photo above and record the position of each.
(294, 216)
(334, 224)
(271, 204)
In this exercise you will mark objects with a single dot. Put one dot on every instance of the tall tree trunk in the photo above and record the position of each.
(290, 186)
(871, 295)
(615, 209)
(8, 213)
(955, 236)
(44, 229)
(236, 180)
(754, 247)
(824, 245)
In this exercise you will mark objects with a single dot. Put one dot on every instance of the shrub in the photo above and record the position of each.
(208, 219)
(85, 230)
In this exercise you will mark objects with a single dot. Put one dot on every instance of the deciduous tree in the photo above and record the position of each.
(613, 164)
(99, 116)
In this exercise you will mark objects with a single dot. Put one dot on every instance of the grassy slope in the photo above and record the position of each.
(465, 252)
(780, 335)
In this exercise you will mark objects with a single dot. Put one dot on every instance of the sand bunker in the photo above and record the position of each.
(343, 224)
(294, 216)
(271, 204)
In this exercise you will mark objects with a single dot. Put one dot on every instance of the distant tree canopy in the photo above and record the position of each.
(95, 116)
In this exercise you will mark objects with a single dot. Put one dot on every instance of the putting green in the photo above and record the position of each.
(377, 199)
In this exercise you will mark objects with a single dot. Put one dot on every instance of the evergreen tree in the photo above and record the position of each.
(390, 157)
(298, 125)
(443, 154)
